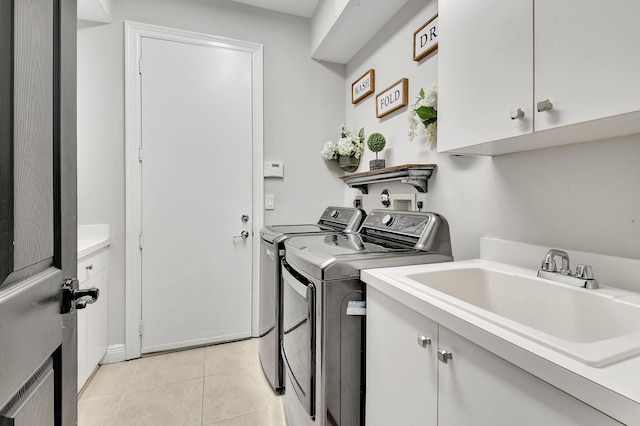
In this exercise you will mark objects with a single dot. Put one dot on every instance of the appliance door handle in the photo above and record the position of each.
(306, 290)
(296, 281)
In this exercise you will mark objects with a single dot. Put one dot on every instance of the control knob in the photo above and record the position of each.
(334, 213)
(387, 220)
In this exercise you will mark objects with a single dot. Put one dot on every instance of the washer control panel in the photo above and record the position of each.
(402, 222)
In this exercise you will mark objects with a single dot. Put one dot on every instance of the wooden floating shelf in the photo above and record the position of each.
(415, 175)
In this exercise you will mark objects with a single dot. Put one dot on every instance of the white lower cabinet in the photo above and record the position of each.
(402, 374)
(408, 385)
(93, 320)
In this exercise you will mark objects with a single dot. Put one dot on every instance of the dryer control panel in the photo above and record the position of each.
(347, 219)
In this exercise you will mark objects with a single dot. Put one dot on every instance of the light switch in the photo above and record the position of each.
(269, 202)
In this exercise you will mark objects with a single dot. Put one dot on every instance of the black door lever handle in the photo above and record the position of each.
(86, 297)
(74, 298)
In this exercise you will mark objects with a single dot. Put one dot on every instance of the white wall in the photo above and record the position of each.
(582, 197)
(303, 107)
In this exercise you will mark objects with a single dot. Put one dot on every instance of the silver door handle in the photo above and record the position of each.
(244, 235)
(244, 218)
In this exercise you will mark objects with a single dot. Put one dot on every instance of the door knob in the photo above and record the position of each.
(244, 235)
(74, 298)
(244, 218)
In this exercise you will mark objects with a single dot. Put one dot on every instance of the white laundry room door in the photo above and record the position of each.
(196, 187)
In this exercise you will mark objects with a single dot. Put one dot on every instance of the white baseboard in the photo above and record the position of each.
(115, 353)
(197, 342)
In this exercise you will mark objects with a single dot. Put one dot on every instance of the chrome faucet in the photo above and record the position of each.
(583, 276)
(549, 263)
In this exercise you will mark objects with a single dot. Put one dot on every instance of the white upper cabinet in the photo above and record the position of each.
(587, 57)
(499, 60)
(485, 70)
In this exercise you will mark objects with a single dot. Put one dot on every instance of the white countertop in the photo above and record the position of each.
(88, 247)
(92, 238)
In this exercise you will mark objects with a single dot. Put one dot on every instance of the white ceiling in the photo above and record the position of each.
(304, 8)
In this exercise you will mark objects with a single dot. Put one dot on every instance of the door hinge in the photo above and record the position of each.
(140, 327)
(140, 240)
(139, 65)
(140, 153)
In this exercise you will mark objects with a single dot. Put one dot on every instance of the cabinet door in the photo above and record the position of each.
(478, 388)
(97, 322)
(402, 377)
(586, 59)
(485, 70)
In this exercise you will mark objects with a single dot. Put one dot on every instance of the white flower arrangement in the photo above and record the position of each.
(347, 145)
(425, 110)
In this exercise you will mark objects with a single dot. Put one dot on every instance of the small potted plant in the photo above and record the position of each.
(376, 143)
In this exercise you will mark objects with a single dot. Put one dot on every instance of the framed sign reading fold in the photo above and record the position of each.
(425, 39)
(363, 87)
(393, 97)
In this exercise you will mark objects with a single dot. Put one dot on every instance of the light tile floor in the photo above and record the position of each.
(220, 385)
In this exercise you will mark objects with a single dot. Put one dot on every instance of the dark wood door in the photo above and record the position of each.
(37, 211)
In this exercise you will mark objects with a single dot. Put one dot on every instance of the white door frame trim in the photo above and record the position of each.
(134, 33)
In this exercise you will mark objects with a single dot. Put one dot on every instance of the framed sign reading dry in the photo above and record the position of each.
(425, 39)
(363, 87)
(394, 97)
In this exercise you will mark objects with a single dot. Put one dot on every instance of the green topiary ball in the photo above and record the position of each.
(376, 142)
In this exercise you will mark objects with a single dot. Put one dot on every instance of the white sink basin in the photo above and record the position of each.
(596, 327)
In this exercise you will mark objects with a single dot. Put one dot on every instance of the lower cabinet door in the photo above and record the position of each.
(479, 388)
(402, 376)
(97, 322)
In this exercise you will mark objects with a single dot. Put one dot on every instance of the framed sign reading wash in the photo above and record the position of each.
(363, 87)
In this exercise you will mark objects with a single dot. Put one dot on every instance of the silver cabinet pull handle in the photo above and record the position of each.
(544, 105)
(423, 341)
(244, 235)
(517, 113)
(244, 218)
(89, 267)
(444, 355)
